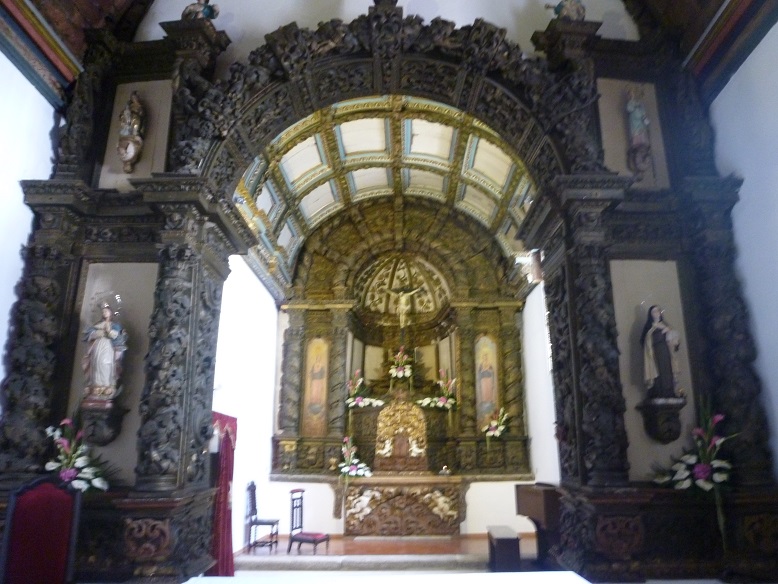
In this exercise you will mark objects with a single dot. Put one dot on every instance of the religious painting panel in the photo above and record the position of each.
(486, 379)
(314, 418)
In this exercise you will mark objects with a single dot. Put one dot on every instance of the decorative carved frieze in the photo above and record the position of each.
(167, 539)
(403, 510)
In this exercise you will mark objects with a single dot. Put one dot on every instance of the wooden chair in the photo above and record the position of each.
(253, 537)
(41, 528)
(296, 533)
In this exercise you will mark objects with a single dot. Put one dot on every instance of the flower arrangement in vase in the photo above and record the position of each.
(447, 398)
(701, 467)
(357, 393)
(73, 462)
(351, 466)
(495, 427)
(401, 366)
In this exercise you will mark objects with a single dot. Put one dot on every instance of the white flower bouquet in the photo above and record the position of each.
(73, 462)
(351, 466)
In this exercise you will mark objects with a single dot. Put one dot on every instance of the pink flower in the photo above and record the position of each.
(716, 419)
(358, 399)
(443, 400)
(702, 471)
(68, 474)
(63, 444)
(698, 432)
(66, 422)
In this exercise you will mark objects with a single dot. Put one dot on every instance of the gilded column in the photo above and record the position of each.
(336, 425)
(291, 375)
(466, 334)
(513, 395)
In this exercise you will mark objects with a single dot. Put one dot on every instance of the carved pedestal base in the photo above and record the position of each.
(101, 420)
(630, 535)
(132, 537)
(662, 418)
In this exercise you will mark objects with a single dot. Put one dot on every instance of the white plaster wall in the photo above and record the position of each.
(745, 118)
(25, 153)
(244, 385)
(539, 389)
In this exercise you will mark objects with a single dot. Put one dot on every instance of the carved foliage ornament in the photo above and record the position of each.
(32, 360)
(558, 100)
(169, 344)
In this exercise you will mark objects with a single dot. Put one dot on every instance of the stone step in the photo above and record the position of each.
(418, 562)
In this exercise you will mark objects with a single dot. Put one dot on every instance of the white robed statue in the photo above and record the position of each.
(102, 363)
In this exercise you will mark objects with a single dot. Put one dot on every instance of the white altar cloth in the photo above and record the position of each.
(339, 576)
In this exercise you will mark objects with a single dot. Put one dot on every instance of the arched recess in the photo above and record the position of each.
(542, 113)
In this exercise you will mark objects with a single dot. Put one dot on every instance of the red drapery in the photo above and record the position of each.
(221, 547)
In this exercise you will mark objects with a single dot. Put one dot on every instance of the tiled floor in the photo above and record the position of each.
(454, 553)
(398, 556)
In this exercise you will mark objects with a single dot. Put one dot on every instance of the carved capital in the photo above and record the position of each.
(197, 38)
(566, 39)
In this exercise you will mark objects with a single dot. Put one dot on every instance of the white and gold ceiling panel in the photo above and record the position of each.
(364, 136)
(319, 203)
(489, 163)
(429, 140)
(370, 180)
(303, 160)
(424, 183)
(478, 203)
(384, 146)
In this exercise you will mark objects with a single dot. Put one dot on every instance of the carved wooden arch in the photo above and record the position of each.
(542, 113)
(445, 251)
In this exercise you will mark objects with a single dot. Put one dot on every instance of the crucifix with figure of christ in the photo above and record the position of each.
(404, 295)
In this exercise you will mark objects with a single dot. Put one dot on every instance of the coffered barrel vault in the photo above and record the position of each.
(389, 146)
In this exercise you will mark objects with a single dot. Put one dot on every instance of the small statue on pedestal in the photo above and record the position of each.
(102, 367)
(200, 9)
(639, 158)
(132, 129)
(568, 10)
